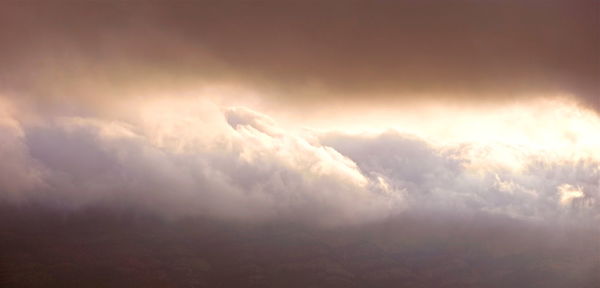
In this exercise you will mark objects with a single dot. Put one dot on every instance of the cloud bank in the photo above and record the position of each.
(236, 163)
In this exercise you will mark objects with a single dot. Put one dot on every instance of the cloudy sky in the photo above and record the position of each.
(326, 113)
(337, 112)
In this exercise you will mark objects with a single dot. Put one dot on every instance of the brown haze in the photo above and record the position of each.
(305, 51)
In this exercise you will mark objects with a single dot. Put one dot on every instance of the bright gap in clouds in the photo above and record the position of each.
(554, 128)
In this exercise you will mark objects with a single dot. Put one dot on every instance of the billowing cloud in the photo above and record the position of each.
(253, 170)
(443, 180)
(236, 163)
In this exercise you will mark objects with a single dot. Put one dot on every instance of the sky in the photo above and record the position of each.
(332, 114)
(355, 110)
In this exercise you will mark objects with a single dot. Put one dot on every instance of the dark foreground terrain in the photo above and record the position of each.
(109, 248)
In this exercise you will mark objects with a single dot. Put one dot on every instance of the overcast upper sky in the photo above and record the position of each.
(304, 51)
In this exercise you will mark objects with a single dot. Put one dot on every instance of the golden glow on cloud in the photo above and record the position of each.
(568, 193)
(505, 135)
(254, 154)
(555, 129)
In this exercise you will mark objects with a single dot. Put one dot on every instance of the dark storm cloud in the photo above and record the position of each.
(309, 50)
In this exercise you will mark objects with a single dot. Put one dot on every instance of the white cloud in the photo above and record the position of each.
(252, 169)
(197, 158)
(568, 193)
(445, 180)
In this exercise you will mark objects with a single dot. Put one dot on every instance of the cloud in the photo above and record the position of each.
(236, 163)
(250, 172)
(277, 113)
(18, 171)
(443, 180)
(569, 193)
(302, 53)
